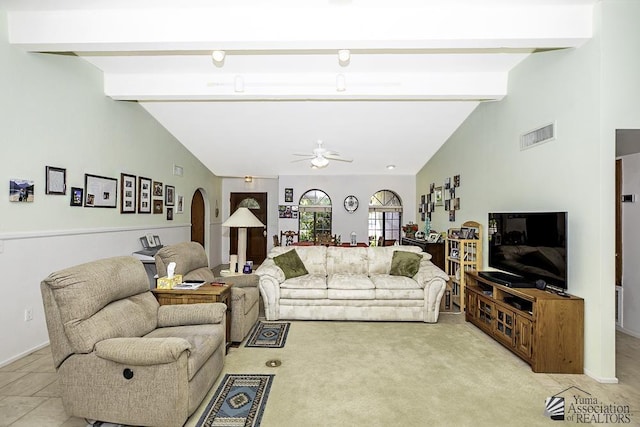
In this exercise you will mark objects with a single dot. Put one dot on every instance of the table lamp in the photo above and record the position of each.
(242, 218)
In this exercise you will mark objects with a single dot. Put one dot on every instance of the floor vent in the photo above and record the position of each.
(538, 136)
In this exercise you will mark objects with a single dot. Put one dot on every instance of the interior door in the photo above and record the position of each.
(197, 218)
(256, 236)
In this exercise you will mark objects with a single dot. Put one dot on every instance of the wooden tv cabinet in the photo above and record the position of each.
(541, 327)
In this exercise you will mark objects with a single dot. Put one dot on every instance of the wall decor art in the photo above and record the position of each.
(169, 195)
(128, 193)
(456, 180)
(157, 206)
(21, 190)
(169, 214)
(179, 204)
(100, 191)
(76, 196)
(56, 180)
(288, 195)
(144, 195)
(438, 196)
(157, 189)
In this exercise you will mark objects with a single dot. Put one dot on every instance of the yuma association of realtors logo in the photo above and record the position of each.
(582, 408)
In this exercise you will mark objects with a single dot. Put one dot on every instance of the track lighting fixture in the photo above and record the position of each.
(344, 55)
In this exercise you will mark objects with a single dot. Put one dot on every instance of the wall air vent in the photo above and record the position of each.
(538, 136)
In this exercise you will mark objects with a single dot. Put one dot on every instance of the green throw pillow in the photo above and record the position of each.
(291, 264)
(405, 263)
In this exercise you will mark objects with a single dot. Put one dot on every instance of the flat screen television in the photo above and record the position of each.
(532, 245)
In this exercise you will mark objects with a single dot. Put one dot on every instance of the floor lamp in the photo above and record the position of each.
(242, 218)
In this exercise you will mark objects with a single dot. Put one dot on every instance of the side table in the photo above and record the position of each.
(204, 294)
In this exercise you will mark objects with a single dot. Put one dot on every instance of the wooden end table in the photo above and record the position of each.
(204, 294)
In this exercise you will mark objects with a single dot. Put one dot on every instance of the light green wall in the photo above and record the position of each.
(53, 112)
(574, 173)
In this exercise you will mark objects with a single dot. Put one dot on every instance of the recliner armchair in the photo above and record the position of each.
(191, 261)
(119, 355)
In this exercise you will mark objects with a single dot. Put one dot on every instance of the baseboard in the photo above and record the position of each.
(628, 332)
(603, 380)
(23, 354)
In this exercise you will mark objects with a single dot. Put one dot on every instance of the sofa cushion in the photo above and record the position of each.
(380, 257)
(405, 264)
(388, 281)
(313, 257)
(303, 293)
(309, 281)
(347, 260)
(349, 281)
(290, 264)
(351, 294)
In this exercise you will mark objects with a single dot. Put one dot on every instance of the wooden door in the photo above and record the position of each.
(197, 218)
(256, 236)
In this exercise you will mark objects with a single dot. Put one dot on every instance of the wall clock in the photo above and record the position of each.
(351, 203)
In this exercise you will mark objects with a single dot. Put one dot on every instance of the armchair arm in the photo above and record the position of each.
(142, 351)
(191, 314)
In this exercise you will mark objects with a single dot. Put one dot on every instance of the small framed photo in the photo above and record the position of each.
(157, 206)
(447, 183)
(170, 195)
(157, 189)
(21, 190)
(76, 196)
(454, 253)
(179, 204)
(144, 195)
(288, 195)
(128, 191)
(433, 237)
(56, 180)
(438, 196)
(169, 214)
(456, 180)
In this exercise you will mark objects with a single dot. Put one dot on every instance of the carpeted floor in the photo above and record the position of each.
(405, 374)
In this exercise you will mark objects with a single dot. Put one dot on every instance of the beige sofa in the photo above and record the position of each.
(122, 358)
(191, 261)
(345, 283)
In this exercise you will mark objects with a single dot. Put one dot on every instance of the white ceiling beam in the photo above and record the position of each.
(269, 28)
(408, 86)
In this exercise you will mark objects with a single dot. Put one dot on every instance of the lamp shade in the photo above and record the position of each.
(242, 217)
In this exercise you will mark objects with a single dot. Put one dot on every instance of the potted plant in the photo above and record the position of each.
(410, 230)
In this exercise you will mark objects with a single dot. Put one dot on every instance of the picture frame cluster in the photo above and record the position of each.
(138, 194)
(442, 195)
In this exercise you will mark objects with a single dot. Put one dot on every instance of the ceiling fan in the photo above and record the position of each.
(320, 157)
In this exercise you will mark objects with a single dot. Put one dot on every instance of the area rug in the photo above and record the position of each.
(268, 335)
(238, 402)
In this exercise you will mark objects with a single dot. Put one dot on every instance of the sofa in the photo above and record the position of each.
(351, 283)
(191, 261)
(122, 358)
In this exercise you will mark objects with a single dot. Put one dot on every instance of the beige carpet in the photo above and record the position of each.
(398, 374)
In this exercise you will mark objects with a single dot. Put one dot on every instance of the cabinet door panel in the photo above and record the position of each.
(524, 337)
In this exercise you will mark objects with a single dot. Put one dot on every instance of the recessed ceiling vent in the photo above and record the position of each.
(538, 136)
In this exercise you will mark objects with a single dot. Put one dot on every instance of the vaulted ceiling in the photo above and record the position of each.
(416, 70)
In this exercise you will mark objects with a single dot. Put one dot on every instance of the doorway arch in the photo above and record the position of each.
(200, 218)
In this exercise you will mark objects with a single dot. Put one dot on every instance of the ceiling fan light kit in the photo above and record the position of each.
(320, 157)
(218, 56)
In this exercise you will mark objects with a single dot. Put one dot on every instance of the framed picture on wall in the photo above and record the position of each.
(144, 195)
(128, 193)
(288, 195)
(100, 191)
(169, 195)
(56, 180)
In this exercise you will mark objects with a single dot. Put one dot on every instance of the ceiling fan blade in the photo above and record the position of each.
(302, 160)
(340, 159)
(305, 154)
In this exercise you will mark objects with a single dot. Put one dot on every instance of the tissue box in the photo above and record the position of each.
(168, 283)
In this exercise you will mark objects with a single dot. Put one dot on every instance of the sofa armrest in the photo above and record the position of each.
(427, 272)
(269, 268)
(141, 351)
(191, 314)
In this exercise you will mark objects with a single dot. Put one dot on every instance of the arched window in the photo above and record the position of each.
(385, 217)
(250, 203)
(314, 215)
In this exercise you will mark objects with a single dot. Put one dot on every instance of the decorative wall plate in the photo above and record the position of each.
(351, 203)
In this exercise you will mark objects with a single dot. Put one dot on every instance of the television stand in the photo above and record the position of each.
(543, 328)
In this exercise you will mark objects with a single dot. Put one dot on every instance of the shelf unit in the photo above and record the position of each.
(544, 329)
(462, 255)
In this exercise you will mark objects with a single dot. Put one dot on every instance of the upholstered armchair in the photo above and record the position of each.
(120, 356)
(191, 261)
